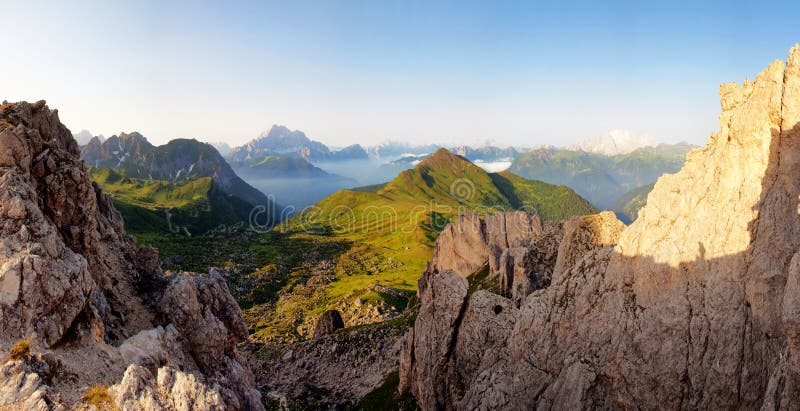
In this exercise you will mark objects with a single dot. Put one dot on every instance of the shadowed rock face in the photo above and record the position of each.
(96, 306)
(327, 323)
(696, 306)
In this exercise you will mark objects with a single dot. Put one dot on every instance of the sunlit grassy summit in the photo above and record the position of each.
(387, 232)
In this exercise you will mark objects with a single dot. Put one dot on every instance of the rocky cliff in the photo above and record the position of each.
(695, 305)
(94, 308)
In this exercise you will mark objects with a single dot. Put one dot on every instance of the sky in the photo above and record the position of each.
(516, 73)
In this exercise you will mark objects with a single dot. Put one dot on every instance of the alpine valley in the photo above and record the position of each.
(617, 271)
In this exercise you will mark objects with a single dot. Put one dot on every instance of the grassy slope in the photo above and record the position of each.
(394, 227)
(383, 234)
(630, 203)
(194, 204)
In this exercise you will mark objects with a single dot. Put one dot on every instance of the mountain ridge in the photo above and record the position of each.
(139, 167)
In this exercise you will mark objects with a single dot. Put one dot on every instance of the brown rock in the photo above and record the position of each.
(433, 340)
(328, 323)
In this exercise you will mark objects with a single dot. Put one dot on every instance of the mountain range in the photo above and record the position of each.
(144, 180)
(280, 141)
(614, 142)
(291, 181)
(290, 176)
(600, 178)
(84, 136)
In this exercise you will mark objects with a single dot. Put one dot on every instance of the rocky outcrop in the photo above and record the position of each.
(328, 322)
(696, 305)
(583, 234)
(331, 372)
(470, 242)
(518, 249)
(90, 299)
(455, 330)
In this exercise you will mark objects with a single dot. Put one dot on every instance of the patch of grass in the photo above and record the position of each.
(480, 280)
(21, 351)
(628, 206)
(99, 397)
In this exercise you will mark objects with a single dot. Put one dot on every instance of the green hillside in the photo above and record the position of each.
(361, 249)
(156, 206)
(384, 234)
(599, 178)
(628, 206)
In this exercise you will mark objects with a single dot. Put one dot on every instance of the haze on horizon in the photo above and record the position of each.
(353, 72)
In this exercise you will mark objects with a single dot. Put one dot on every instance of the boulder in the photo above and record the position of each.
(328, 323)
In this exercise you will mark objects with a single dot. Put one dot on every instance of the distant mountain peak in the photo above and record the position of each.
(614, 142)
(443, 157)
(281, 141)
(84, 136)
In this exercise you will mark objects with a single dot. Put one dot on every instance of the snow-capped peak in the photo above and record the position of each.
(614, 142)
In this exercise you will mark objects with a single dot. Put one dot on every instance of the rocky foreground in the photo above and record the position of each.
(695, 305)
(92, 320)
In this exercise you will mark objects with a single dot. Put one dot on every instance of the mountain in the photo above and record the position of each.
(695, 305)
(391, 150)
(84, 136)
(599, 178)
(189, 206)
(450, 182)
(279, 167)
(88, 319)
(291, 181)
(116, 151)
(384, 235)
(140, 170)
(448, 179)
(280, 141)
(223, 148)
(613, 143)
(351, 152)
(629, 204)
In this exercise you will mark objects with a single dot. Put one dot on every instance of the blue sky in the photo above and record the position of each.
(522, 73)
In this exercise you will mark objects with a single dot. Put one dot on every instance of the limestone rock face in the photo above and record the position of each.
(21, 386)
(74, 282)
(584, 233)
(170, 389)
(695, 307)
(470, 242)
(518, 249)
(431, 343)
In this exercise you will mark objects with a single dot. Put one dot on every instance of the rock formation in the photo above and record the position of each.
(327, 323)
(330, 372)
(517, 248)
(696, 306)
(95, 306)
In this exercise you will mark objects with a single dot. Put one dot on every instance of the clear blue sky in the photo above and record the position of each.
(520, 73)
